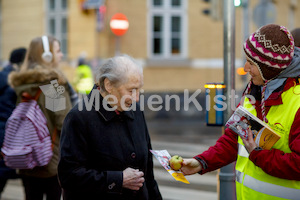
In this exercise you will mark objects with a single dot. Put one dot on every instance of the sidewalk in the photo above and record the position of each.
(13, 190)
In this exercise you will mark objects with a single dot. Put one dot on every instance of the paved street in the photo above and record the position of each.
(183, 137)
(186, 138)
(13, 190)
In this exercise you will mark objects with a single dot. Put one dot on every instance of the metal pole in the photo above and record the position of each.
(227, 174)
(264, 14)
(97, 36)
(246, 17)
(118, 45)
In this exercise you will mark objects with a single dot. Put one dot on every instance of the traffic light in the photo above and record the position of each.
(241, 71)
(237, 3)
(215, 10)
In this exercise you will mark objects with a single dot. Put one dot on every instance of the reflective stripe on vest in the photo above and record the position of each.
(242, 151)
(267, 188)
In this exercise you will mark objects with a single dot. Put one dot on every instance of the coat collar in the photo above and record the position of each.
(109, 115)
(275, 98)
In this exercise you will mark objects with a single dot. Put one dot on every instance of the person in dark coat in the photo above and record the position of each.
(105, 144)
(40, 69)
(8, 100)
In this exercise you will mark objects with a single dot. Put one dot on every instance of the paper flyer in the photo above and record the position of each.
(163, 157)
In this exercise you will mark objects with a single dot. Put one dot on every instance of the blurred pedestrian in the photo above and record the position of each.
(84, 80)
(105, 150)
(8, 100)
(41, 68)
(296, 35)
(274, 66)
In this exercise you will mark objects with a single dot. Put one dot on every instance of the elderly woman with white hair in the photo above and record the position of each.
(105, 149)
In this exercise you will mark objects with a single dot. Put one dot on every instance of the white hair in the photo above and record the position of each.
(117, 71)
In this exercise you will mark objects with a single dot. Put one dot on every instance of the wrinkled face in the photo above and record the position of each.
(253, 70)
(57, 54)
(128, 92)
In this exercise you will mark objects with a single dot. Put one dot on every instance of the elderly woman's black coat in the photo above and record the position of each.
(97, 145)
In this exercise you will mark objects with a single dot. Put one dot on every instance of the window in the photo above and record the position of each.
(157, 2)
(57, 22)
(176, 2)
(167, 22)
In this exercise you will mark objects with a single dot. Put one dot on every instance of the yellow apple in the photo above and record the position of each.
(176, 162)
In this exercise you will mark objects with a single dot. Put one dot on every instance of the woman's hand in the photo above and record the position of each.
(190, 166)
(249, 143)
(133, 179)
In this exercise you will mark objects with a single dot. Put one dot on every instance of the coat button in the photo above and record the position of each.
(133, 155)
(111, 186)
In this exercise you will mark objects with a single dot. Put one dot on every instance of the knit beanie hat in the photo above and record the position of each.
(17, 55)
(271, 48)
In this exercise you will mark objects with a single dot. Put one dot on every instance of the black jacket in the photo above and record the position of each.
(96, 146)
(8, 99)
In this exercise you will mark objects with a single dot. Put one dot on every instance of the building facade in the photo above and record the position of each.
(179, 46)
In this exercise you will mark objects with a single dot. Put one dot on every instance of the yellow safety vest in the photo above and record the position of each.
(251, 181)
(84, 80)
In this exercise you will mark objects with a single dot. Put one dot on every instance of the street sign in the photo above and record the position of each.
(119, 24)
(101, 18)
(92, 4)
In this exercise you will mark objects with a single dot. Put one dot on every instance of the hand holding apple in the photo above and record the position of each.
(190, 166)
(176, 162)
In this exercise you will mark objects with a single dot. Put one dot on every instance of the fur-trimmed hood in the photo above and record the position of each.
(30, 80)
(37, 75)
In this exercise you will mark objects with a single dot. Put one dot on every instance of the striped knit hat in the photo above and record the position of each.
(271, 49)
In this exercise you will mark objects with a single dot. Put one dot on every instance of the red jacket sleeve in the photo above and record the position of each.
(280, 164)
(222, 153)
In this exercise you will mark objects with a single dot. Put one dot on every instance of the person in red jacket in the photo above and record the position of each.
(273, 63)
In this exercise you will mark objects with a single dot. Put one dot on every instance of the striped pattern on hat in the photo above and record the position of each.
(272, 48)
